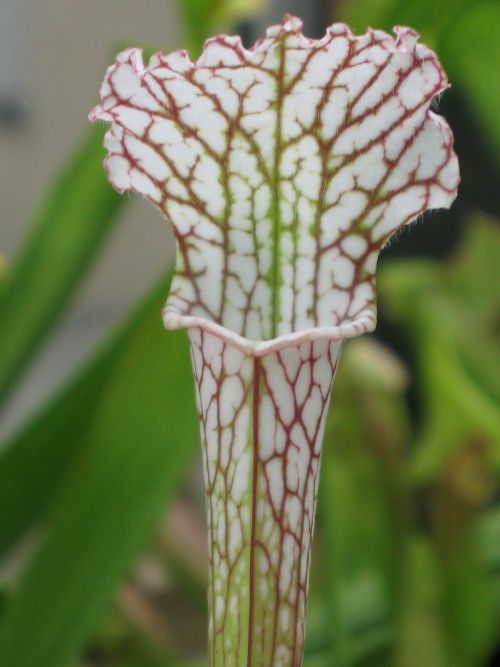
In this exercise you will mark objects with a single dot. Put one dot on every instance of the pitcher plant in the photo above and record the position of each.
(284, 169)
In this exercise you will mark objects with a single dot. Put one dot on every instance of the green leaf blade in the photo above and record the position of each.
(136, 453)
(69, 228)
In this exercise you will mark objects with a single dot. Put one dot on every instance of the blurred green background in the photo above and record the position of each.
(102, 537)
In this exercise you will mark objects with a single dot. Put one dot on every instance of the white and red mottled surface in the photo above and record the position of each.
(262, 421)
(286, 165)
(284, 169)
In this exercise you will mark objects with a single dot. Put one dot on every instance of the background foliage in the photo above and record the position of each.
(102, 557)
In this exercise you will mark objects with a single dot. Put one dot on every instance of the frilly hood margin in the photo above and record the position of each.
(284, 169)
(278, 232)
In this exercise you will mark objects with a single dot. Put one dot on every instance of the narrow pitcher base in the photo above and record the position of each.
(262, 422)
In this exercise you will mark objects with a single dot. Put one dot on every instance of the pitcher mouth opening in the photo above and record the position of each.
(365, 322)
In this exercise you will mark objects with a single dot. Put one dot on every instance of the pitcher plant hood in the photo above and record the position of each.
(283, 169)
